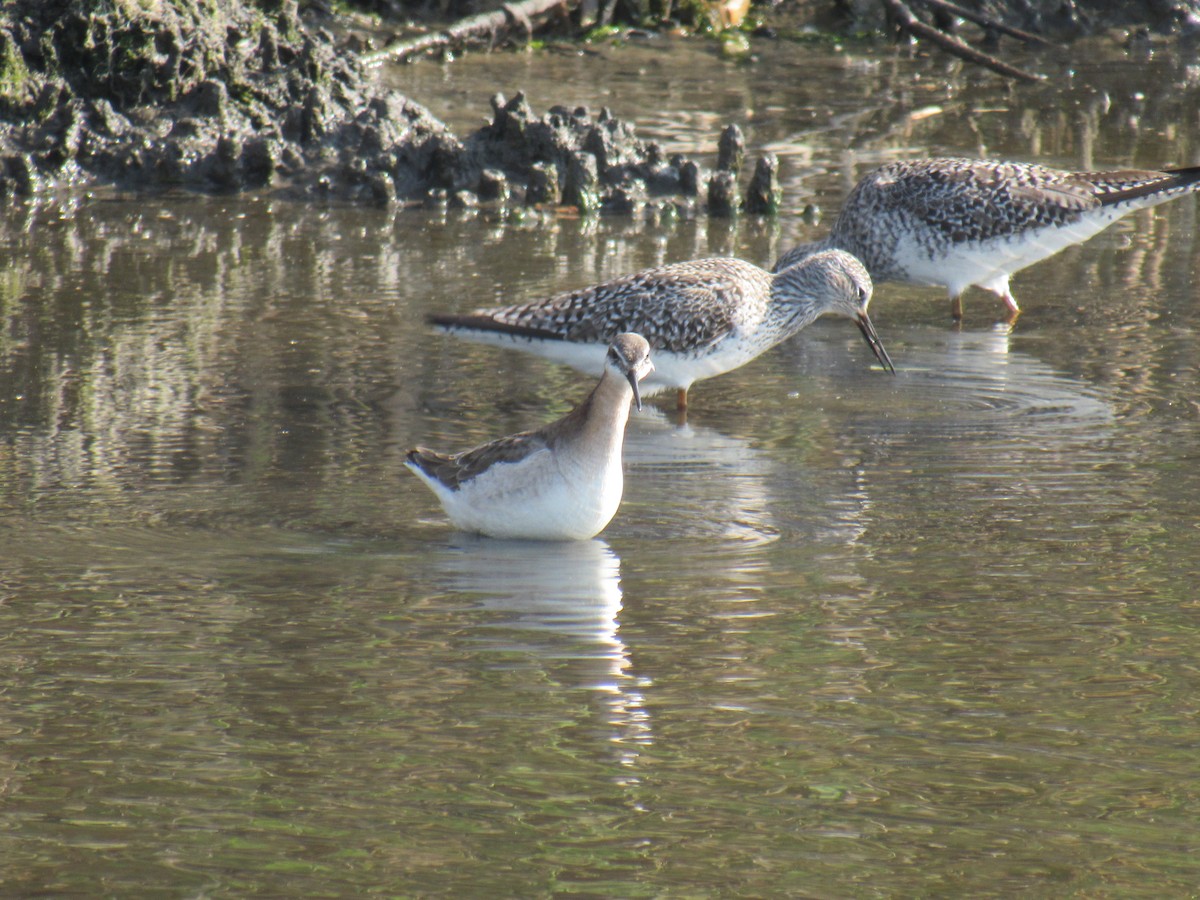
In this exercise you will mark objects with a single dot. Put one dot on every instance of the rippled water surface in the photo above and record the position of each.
(849, 635)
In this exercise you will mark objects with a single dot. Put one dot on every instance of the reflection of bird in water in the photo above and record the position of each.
(697, 483)
(959, 222)
(560, 604)
(702, 318)
(561, 482)
(976, 384)
(973, 406)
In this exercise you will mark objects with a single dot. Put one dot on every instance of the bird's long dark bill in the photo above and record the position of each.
(868, 330)
(637, 391)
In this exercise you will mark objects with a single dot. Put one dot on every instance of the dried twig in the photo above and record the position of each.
(908, 22)
(979, 19)
(482, 25)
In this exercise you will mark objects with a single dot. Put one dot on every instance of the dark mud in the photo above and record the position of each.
(236, 96)
(224, 97)
(1054, 19)
(244, 98)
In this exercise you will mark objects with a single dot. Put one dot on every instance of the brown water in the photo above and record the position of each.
(849, 635)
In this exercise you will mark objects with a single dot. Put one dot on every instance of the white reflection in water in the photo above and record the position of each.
(982, 386)
(986, 451)
(701, 469)
(979, 383)
(701, 483)
(557, 601)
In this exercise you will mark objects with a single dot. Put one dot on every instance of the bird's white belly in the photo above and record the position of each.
(988, 263)
(587, 358)
(679, 370)
(671, 370)
(536, 500)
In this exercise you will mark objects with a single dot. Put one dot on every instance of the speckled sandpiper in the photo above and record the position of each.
(561, 482)
(702, 318)
(962, 222)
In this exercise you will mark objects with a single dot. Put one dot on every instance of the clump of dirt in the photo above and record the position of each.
(206, 94)
(597, 162)
(221, 95)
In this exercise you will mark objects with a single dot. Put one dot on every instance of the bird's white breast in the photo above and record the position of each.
(541, 497)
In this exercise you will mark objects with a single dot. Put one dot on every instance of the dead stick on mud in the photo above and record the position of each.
(482, 25)
(955, 10)
(908, 22)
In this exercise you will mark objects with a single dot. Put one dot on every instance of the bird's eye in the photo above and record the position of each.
(863, 296)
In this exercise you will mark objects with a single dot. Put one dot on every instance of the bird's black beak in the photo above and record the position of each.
(868, 330)
(637, 391)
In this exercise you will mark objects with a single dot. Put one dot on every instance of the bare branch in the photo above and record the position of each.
(481, 25)
(908, 22)
(955, 10)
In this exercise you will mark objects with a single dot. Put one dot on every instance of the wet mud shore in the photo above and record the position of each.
(247, 100)
(233, 96)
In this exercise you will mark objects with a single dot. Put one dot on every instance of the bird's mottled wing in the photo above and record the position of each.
(977, 201)
(680, 307)
(454, 470)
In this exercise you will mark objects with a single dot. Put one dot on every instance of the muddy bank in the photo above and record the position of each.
(236, 96)
(1057, 19)
(247, 98)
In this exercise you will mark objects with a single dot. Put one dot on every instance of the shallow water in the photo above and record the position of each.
(849, 635)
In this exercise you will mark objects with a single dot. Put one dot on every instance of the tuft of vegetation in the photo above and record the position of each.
(14, 74)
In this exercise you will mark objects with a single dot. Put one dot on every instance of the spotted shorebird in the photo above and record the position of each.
(561, 482)
(702, 318)
(959, 222)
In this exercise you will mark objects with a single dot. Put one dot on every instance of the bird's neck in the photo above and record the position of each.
(791, 300)
(794, 316)
(598, 423)
(609, 407)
